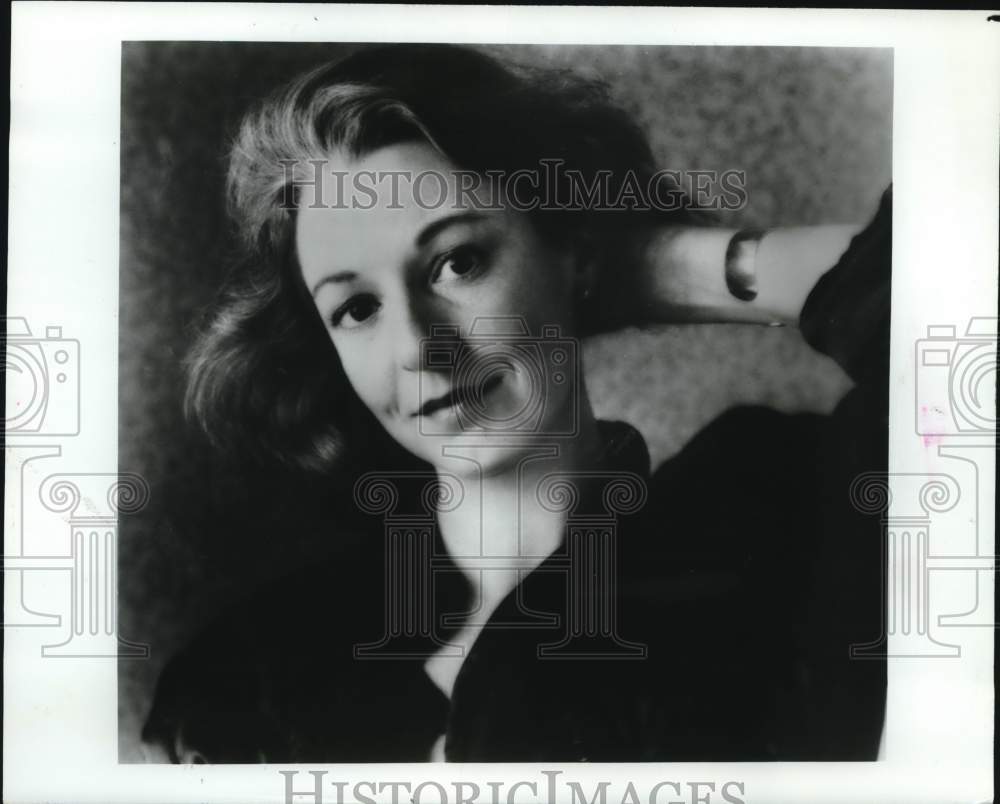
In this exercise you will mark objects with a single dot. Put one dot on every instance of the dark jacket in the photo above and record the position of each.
(720, 621)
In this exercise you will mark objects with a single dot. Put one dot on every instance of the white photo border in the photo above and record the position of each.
(60, 717)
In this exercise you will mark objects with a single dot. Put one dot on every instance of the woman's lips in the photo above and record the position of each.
(460, 396)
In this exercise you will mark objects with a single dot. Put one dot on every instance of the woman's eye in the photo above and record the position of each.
(355, 312)
(460, 263)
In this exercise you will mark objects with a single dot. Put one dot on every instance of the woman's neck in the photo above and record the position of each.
(501, 530)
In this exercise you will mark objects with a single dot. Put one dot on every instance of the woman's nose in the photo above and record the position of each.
(409, 336)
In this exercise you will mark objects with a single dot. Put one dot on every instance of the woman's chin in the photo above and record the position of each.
(489, 438)
(468, 453)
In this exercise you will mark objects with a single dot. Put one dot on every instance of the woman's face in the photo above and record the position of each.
(438, 310)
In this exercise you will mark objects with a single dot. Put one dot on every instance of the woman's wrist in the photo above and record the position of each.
(682, 277)
(790, 261)
(700, 274)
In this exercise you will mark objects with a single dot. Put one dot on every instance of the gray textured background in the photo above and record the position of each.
(811, 126)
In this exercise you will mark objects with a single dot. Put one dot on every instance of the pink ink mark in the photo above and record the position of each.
(933, 425)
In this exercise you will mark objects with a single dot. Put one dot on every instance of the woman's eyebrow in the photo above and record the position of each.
(426, 234)
(340, 276)
(433, 228)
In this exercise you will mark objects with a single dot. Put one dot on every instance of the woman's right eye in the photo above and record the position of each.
(354, 312)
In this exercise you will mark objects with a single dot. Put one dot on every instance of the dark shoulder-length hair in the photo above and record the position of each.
(263, 375)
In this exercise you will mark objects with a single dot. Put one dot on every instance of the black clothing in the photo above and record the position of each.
(739, 587)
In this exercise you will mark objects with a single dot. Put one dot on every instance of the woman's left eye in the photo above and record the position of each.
(461, 263)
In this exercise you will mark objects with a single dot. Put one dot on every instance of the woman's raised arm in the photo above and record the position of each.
(843, 313)
(682, 273)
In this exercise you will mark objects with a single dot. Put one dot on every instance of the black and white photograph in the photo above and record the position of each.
(511, 396)
(500, 404)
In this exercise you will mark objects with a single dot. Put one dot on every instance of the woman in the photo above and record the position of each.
(413, 284)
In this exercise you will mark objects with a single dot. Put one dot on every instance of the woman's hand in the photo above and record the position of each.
(681, 276)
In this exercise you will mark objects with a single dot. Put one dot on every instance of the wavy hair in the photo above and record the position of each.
(263, 376)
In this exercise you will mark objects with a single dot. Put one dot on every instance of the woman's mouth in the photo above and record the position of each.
(463, 396)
